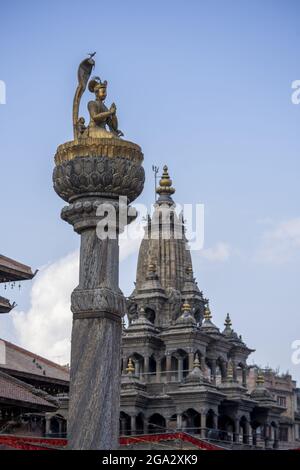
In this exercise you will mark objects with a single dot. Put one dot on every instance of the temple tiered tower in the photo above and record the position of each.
(179, 371)
(164, 273)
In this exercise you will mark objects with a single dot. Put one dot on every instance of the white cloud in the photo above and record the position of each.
(280, 243)
(218, 253)
(46, 327)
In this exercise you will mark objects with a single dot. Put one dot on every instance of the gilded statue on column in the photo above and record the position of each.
(103, 121)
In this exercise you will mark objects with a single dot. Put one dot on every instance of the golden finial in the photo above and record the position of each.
(196, 361)
(207, 313)
(230, 371)
(186, 307)
(227, 320)
(165, 183)
(130, 367)
(260, 379)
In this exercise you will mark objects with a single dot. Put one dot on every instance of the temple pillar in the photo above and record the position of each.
(213, 371)
(179, 422)
(203, 425)
(59, 428)
(47, 425)
(215, 421)
(267, 435)
(158, 370)
(168, 367)
(133, 425)
(146, 368)
(276, 438)
(191, 361)
(236, 435)
(180, 369)
(137, 368)
(248, 433)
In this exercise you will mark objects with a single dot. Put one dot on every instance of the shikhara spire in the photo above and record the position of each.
(164, 258)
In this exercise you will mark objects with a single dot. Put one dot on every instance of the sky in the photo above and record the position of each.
(202, 86)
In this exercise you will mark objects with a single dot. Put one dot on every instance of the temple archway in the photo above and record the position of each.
(191, 421)
(226, 426)
(150, 314)
(156, 424)
(140, 420)
(125, 424)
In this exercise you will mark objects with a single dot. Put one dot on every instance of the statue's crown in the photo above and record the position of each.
(95, 83)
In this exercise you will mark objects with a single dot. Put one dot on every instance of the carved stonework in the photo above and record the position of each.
(110, 177)
(100, 302)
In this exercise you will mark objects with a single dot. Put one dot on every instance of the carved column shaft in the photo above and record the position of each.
(91, 173)
(97, 306)
(168, 367)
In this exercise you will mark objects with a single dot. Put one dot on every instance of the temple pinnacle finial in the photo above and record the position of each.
(130, 367)
(165, 184)
(196, 362)
(207, 313)
(260, 379)
(186, 307)
(228, 320)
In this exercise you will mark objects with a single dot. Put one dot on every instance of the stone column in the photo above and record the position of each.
(137, 368)
(248, 433)
(168, 367)
(191, 361)
(133, 425)
(276, 437)
(180, 369)
(215, 421)
(203, 364)
(47, 425)
(91, 175)
(213, 371)
(203, 425)
(146, 368)
(158, 370)
(236, 430)
(267, 432)
(179, 422)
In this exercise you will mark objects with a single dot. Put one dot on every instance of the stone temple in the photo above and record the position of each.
(179, 370)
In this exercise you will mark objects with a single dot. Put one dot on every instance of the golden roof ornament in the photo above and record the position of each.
(260, 379)
(130, 367)
(165, 184)
(186, 308)
(196, 362)
(151, 267)
(207, 313)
